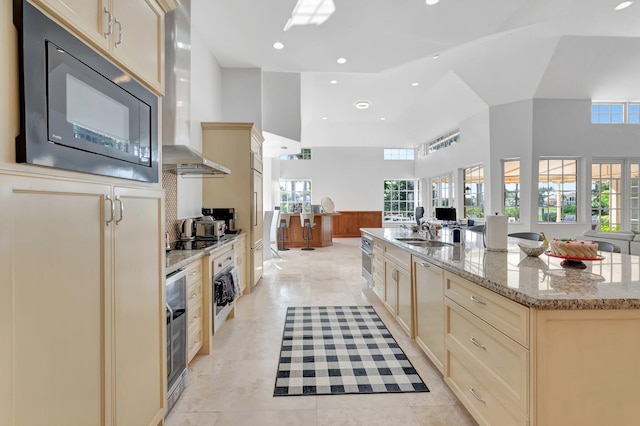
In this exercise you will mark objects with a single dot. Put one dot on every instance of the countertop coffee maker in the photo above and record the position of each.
(228, 215)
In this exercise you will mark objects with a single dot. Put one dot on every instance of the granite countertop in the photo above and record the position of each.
(537, 282)
(177, 259)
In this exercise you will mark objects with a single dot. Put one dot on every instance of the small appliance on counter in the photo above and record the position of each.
(209, 228)
(228, 215)
(187, 230)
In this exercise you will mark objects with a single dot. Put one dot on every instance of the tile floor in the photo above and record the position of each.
(234, 384)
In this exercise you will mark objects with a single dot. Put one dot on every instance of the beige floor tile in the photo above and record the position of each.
(234, 384)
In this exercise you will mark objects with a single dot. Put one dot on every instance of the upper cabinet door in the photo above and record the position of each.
(89, 18)
(138, 39)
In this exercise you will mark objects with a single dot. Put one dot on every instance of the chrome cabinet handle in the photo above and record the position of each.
(255, 206)
(478, 301)
(425, 264)
(113, 210)
(119, 201)
(193, 295)
(475, 395)
(193, 273)
(110, 25)
(119, 24)
(478, 344)
(170, 339)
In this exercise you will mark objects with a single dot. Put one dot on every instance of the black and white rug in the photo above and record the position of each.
(330, 350)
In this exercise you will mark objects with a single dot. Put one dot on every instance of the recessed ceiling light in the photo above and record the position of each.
(324, 118)
(334, 82)
(382, 118)
(415, 84)
(342, 61)
(623, 5)
(278, 46)
(432, 2)
(362, 104)
(436, 56)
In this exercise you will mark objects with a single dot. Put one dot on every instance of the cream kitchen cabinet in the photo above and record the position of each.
(487, 352)
(82, 277)
(195, 311)
(130, 32)
(429, 309)
(238, 146)
(398, 294)
(239, 247)
(377, 267)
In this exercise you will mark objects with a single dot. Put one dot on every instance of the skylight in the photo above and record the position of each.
(308, 12)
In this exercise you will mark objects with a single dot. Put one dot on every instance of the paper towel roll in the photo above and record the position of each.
(496, 230)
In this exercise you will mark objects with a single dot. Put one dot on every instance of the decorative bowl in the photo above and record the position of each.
(533, 251)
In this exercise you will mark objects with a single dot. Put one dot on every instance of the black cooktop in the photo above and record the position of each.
(192, 245)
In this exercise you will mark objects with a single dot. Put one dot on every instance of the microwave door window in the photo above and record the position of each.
(91, 113)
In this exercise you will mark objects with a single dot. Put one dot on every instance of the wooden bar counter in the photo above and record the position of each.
(321, 233)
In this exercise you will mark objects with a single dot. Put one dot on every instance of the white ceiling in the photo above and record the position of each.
(491, 52)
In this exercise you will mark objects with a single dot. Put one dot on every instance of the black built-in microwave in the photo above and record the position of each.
(78, 110)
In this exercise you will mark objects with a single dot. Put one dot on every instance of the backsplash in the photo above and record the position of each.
(170, 186)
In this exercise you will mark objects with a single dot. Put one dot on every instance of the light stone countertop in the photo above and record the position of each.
(177, 259)
(537, 282)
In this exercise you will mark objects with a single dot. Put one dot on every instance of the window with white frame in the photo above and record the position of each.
(511, 189)
(606, 195)
(615, 195)
(473, 182)
(305, 154)
(399, 154)
(557, 190)
(401, 197)
(634, 196)
(442, 193)
(615, 113)
(295, 196)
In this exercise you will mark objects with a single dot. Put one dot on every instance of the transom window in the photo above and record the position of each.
(557, 180)
(474, 191)
(511, 194)
(305, 154)
(400, 200)
(295, 196)
(399, 154)
(615, 112)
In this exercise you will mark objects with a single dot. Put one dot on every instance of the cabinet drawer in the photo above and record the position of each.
(378, 245)
(194, 343)
(485, 407)
(401, 258)
(194, 273)
(509, 317)
(194, 294)
(501, 358)
(194, 316)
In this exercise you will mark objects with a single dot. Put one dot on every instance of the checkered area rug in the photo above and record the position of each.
(340, 350)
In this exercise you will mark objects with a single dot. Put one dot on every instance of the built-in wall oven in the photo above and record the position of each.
(176, 297)
(223, 288)
(366, 246)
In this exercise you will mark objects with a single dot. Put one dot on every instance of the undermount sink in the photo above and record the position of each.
(429, 243)
(408, 239)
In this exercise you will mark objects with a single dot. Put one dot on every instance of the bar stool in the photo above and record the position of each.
(307, 222)
(283, 230)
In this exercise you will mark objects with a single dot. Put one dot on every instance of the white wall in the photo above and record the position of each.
(472, 149)
(242, 95)
(352, 177)
(206, 105)
(281, 104)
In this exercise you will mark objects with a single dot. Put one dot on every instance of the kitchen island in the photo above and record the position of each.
(321, 233)
(519, 340)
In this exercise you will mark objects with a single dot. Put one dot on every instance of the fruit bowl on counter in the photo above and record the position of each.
(533, 251)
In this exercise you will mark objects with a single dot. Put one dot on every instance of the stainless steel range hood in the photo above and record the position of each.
(184, 160)
(177, 154)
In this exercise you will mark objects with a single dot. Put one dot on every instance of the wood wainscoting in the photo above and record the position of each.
(348, 224)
